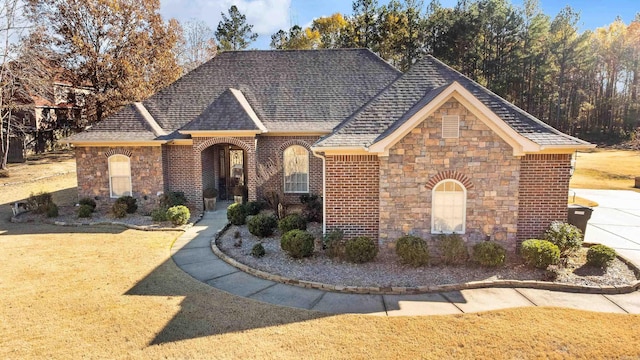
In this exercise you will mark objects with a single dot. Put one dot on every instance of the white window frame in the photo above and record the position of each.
(449, 122)
(110, 176)
(464, 208)
(284, 171)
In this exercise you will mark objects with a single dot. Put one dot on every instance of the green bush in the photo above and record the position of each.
(360, 249)
(173, 198)
(489, 253)
(262, 225)
(159, 214)
(258, 250)
(119, 209)
(51, 210)
(179, 215)
(312, 210)
(85, 211)
(567, 237)
(539, 253)
(600, 256)
(292, 222)
(333, 243)
(452, 248)
(297, 243)
(254, 207)
(130, 202)
(412, 250)
(88, 202)
(39, 203)
(236, 214)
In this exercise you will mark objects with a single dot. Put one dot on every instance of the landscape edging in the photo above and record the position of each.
(402, 290)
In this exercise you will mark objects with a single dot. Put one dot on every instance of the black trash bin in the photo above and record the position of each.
(579, 216)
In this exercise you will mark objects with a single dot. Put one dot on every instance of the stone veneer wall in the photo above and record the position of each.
(479, 158)
(146, 173)
(271, 148)
(544, 186)
(352, 202)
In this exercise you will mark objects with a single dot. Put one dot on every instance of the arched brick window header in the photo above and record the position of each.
(449, 174)
(112, 152)
(223, 140)
(290, 143)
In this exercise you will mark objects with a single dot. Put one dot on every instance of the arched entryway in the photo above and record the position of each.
(224, 167)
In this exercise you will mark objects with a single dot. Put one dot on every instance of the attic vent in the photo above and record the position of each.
(450, 126)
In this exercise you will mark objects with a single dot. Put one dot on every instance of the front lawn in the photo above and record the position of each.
(606, 169)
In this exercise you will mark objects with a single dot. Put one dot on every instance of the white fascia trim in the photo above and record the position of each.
(519, 143)
(324, 190)
(245, 105)
(155, 128)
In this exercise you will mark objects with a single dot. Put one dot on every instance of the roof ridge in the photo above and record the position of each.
(146, 116)
(244, 103)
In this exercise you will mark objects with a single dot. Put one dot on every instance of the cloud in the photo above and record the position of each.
(266, 16)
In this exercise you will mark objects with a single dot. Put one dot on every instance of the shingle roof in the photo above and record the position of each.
(226, 112)
(125, 125)
(411, 92)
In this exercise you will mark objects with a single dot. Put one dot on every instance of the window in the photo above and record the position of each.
(296, 169)
(119, 175)
(448, 208)
(450, 127)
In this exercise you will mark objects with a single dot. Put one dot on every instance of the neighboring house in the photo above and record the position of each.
(425, 152)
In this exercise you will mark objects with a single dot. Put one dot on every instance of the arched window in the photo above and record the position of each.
(296, 169)
(119, 175)
(449, 207)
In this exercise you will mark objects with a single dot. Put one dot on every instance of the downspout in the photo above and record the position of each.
(324, 191)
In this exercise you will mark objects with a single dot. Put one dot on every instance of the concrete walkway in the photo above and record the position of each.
(192, 253)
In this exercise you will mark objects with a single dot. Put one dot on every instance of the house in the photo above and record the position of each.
(425, 152)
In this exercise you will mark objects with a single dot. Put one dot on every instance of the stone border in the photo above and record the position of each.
(14, 219)
(402, 290)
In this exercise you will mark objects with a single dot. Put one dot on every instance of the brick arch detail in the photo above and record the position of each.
(289, 143)
(118, 151)
(223, 140)
(449, 175)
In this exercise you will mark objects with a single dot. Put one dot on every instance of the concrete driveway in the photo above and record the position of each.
(616, 221)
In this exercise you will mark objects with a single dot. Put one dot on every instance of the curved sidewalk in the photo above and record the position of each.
(192, 253)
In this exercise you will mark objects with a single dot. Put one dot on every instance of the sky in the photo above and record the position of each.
(269, 16)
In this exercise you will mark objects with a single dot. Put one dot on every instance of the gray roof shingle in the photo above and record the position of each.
(412, 91)
(125, 125)
(224, 113)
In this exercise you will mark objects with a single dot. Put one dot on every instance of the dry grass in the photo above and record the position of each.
(106, 292)
(577, 200)
(606, 169)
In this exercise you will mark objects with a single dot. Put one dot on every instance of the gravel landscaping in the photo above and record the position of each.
(386, 271)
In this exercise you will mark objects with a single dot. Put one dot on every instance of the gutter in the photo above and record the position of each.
(324, 191)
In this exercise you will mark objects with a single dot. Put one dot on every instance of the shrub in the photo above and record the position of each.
(360, 249)
(39, 203)
(333, 243)
(119, 209)
(262, 225)
(312, 210)
(236, 214)
(292, 222)
(297, 243)
(600, 256)
(489, 253)
(258, 250)
(173, 198)
(130, 202)
(452, 248)
(209, 193)
(85, 211)
(567, 237)
(254, 207)
(412, 250)
(159, 215)
(88, 202)
(272, 199)
(51, 210)
(539, 253)
(179, 215)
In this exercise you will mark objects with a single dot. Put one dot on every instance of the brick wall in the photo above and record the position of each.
(544, 186)
(146, 173)
(179, 171)
(271, 149)
(479, 159)
(352, 202)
